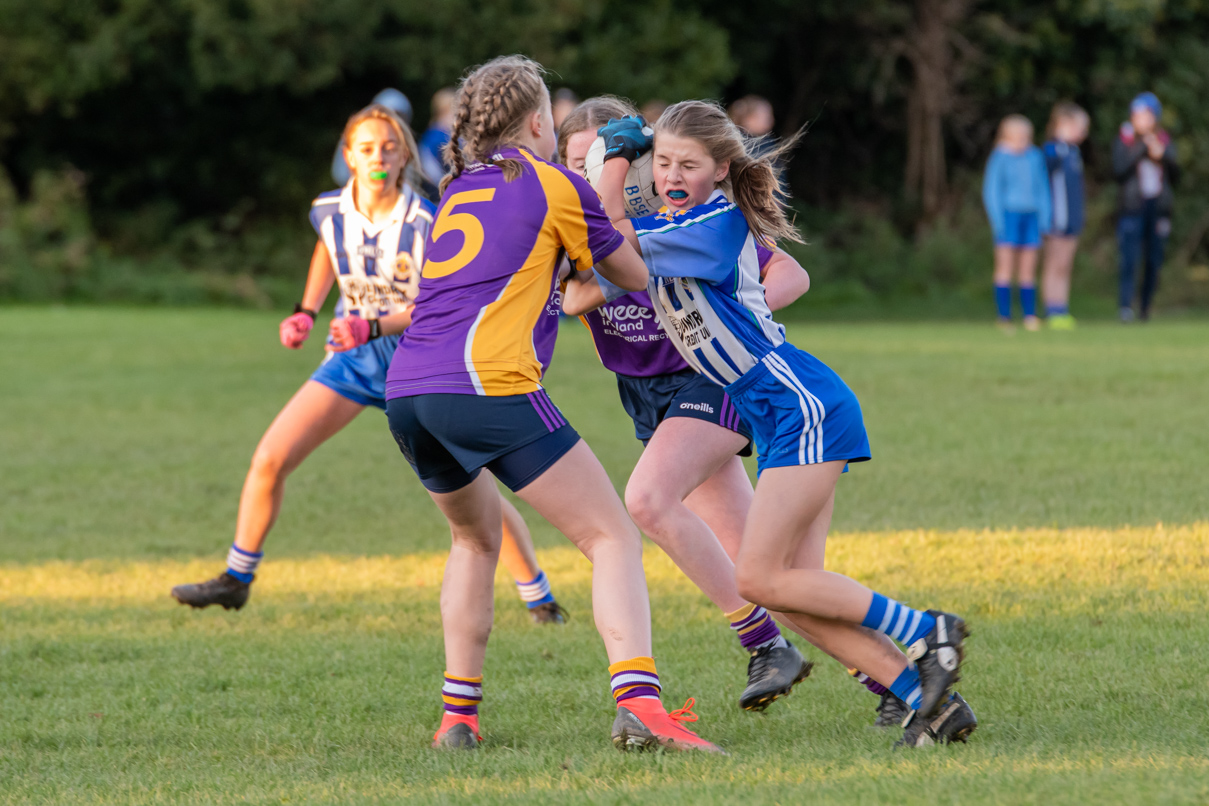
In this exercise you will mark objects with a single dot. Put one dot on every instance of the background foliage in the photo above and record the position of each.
(166, 151)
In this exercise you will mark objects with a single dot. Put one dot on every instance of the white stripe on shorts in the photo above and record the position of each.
(810, 448)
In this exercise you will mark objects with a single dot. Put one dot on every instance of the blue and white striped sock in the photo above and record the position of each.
(906, 687)
(536, 591)
(896, 620)
(242, 564)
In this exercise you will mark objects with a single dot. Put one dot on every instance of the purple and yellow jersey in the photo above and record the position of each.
(489, 278)
(377, 265)
(630, 338)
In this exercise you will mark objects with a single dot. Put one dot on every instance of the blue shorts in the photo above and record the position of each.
(801, 411)
(449, 438)
(1020, 230)
(360, 373)
(650, 401)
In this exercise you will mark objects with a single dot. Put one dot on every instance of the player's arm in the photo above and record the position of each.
(612, 195)
(319, 279)
(582, 294)
(784, 280)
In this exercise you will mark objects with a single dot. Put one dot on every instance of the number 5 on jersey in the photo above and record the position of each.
(465, 223)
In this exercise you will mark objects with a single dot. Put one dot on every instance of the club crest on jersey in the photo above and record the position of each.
(669, 215)
(403, 267)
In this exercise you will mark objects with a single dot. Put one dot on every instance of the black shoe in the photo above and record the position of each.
(223, 590)
(548, 613)
(891, 712)
(954, 723)
(772, 672)
(938, 657)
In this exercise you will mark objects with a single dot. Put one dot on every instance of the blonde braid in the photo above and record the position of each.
(453, 149)
(493, 102)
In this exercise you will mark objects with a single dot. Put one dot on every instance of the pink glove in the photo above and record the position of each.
(295, 329)
(349, 332)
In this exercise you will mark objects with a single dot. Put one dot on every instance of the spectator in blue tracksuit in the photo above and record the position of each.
(1016, 193)
(1068, 125)
(1143, 162)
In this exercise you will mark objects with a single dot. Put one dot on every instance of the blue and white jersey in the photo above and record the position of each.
(705, 275)
(377, 265)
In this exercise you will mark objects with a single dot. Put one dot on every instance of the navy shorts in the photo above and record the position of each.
(802, 411)
(360, 373)
(650, 401)
(1019, 230)
(449, 438)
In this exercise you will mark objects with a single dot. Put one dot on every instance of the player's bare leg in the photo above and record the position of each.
(519, 557)
(312, 416)
(693, 461)
(576, 496)
(780, 566)
(467, 601)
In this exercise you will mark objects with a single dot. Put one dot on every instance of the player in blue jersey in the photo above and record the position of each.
(701, 253)
(689, 491)
(371, 242)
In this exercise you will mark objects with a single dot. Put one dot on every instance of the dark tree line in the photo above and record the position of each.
(215, 117)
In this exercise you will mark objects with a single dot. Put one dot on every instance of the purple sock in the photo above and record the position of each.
(868, 682)
(754, 626)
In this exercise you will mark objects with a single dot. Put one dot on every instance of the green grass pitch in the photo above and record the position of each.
(1051, 487)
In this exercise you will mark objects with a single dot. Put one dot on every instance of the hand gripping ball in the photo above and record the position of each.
(640, 196)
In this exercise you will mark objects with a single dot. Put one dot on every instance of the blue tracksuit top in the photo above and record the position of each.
(1066, 186)
(1018, 183)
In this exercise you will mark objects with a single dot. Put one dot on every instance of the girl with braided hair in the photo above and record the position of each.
(464, 393)
(371, 242)
(701, 252)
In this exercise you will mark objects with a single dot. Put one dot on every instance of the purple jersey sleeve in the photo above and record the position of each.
(586, 231)
(764, 254)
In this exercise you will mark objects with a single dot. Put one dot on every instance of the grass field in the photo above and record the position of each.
(1051, 487)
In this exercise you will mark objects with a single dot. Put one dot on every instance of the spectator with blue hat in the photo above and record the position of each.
(1144, 165)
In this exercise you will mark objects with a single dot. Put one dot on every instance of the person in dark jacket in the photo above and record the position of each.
(1144, 164)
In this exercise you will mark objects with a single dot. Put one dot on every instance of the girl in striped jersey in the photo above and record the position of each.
(701, 254)
(689, 491)
(371, 241)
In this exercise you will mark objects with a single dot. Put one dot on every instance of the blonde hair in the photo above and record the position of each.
(1010, 121)
(591, 114)
(1066, 110)
(493, 102)
(401, 130)
(754, 179)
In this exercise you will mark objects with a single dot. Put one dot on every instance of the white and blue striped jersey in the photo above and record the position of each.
(705, 275)
(377, 265)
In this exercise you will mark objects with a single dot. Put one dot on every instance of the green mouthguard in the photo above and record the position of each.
(377, 174)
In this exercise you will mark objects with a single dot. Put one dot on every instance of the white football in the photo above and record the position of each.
(640, 196)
